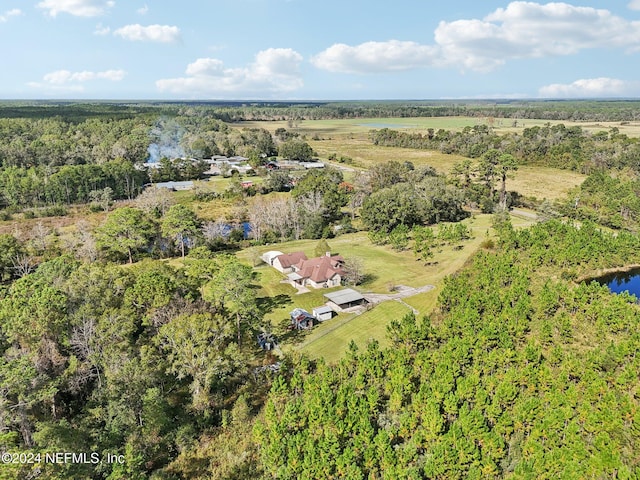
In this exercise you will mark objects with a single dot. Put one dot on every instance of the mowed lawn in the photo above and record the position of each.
(330, 342)
(383, 266)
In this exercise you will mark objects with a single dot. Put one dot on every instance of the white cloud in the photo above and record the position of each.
(100, 30)
(375, 57)
(143, 10)
(521, 30)
(590, 88)
(634, 5)
(79, 8)
(62, 77)
(150, 33)
(532, 30)
(274, 71)
(66, 82)
(205, 67)
(15, 12)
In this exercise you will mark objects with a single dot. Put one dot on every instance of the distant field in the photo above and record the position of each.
(324, 128)
(350, 138)
(544, 182)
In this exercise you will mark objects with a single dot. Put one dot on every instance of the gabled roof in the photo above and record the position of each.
(299, 314)
(289, 259)
(320, 269)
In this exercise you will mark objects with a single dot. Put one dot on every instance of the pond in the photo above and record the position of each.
(619, 282)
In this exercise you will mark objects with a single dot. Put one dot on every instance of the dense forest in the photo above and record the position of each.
(564, 110)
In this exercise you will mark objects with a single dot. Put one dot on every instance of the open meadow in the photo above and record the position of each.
(350, 138)
(355, 126)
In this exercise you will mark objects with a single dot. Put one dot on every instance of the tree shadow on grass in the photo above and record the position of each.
(368, 279)
(269, 304)
(287, 334)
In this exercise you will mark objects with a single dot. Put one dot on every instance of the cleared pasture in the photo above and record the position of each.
(331, 343)
(353, 126)
(350, 138)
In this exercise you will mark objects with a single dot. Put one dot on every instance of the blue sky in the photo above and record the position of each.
(310, 50)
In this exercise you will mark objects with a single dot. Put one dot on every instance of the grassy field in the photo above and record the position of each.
(355, 126)
(530, 181)
(544, 182)
(350, 138)
(331, 339)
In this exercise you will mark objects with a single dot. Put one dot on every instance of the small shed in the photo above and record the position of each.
(301, 319)
(346, 298)
(323, 313)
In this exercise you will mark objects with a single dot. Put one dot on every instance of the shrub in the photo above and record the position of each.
(488, 244)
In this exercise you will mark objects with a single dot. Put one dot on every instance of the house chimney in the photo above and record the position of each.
(327, 254)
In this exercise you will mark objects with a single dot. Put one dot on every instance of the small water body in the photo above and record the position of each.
(245, 226)
(622, 281)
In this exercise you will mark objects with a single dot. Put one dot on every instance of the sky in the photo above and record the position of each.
(312, 50)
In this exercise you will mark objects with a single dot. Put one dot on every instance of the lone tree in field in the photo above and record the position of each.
(322, 248)
(423, 241)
